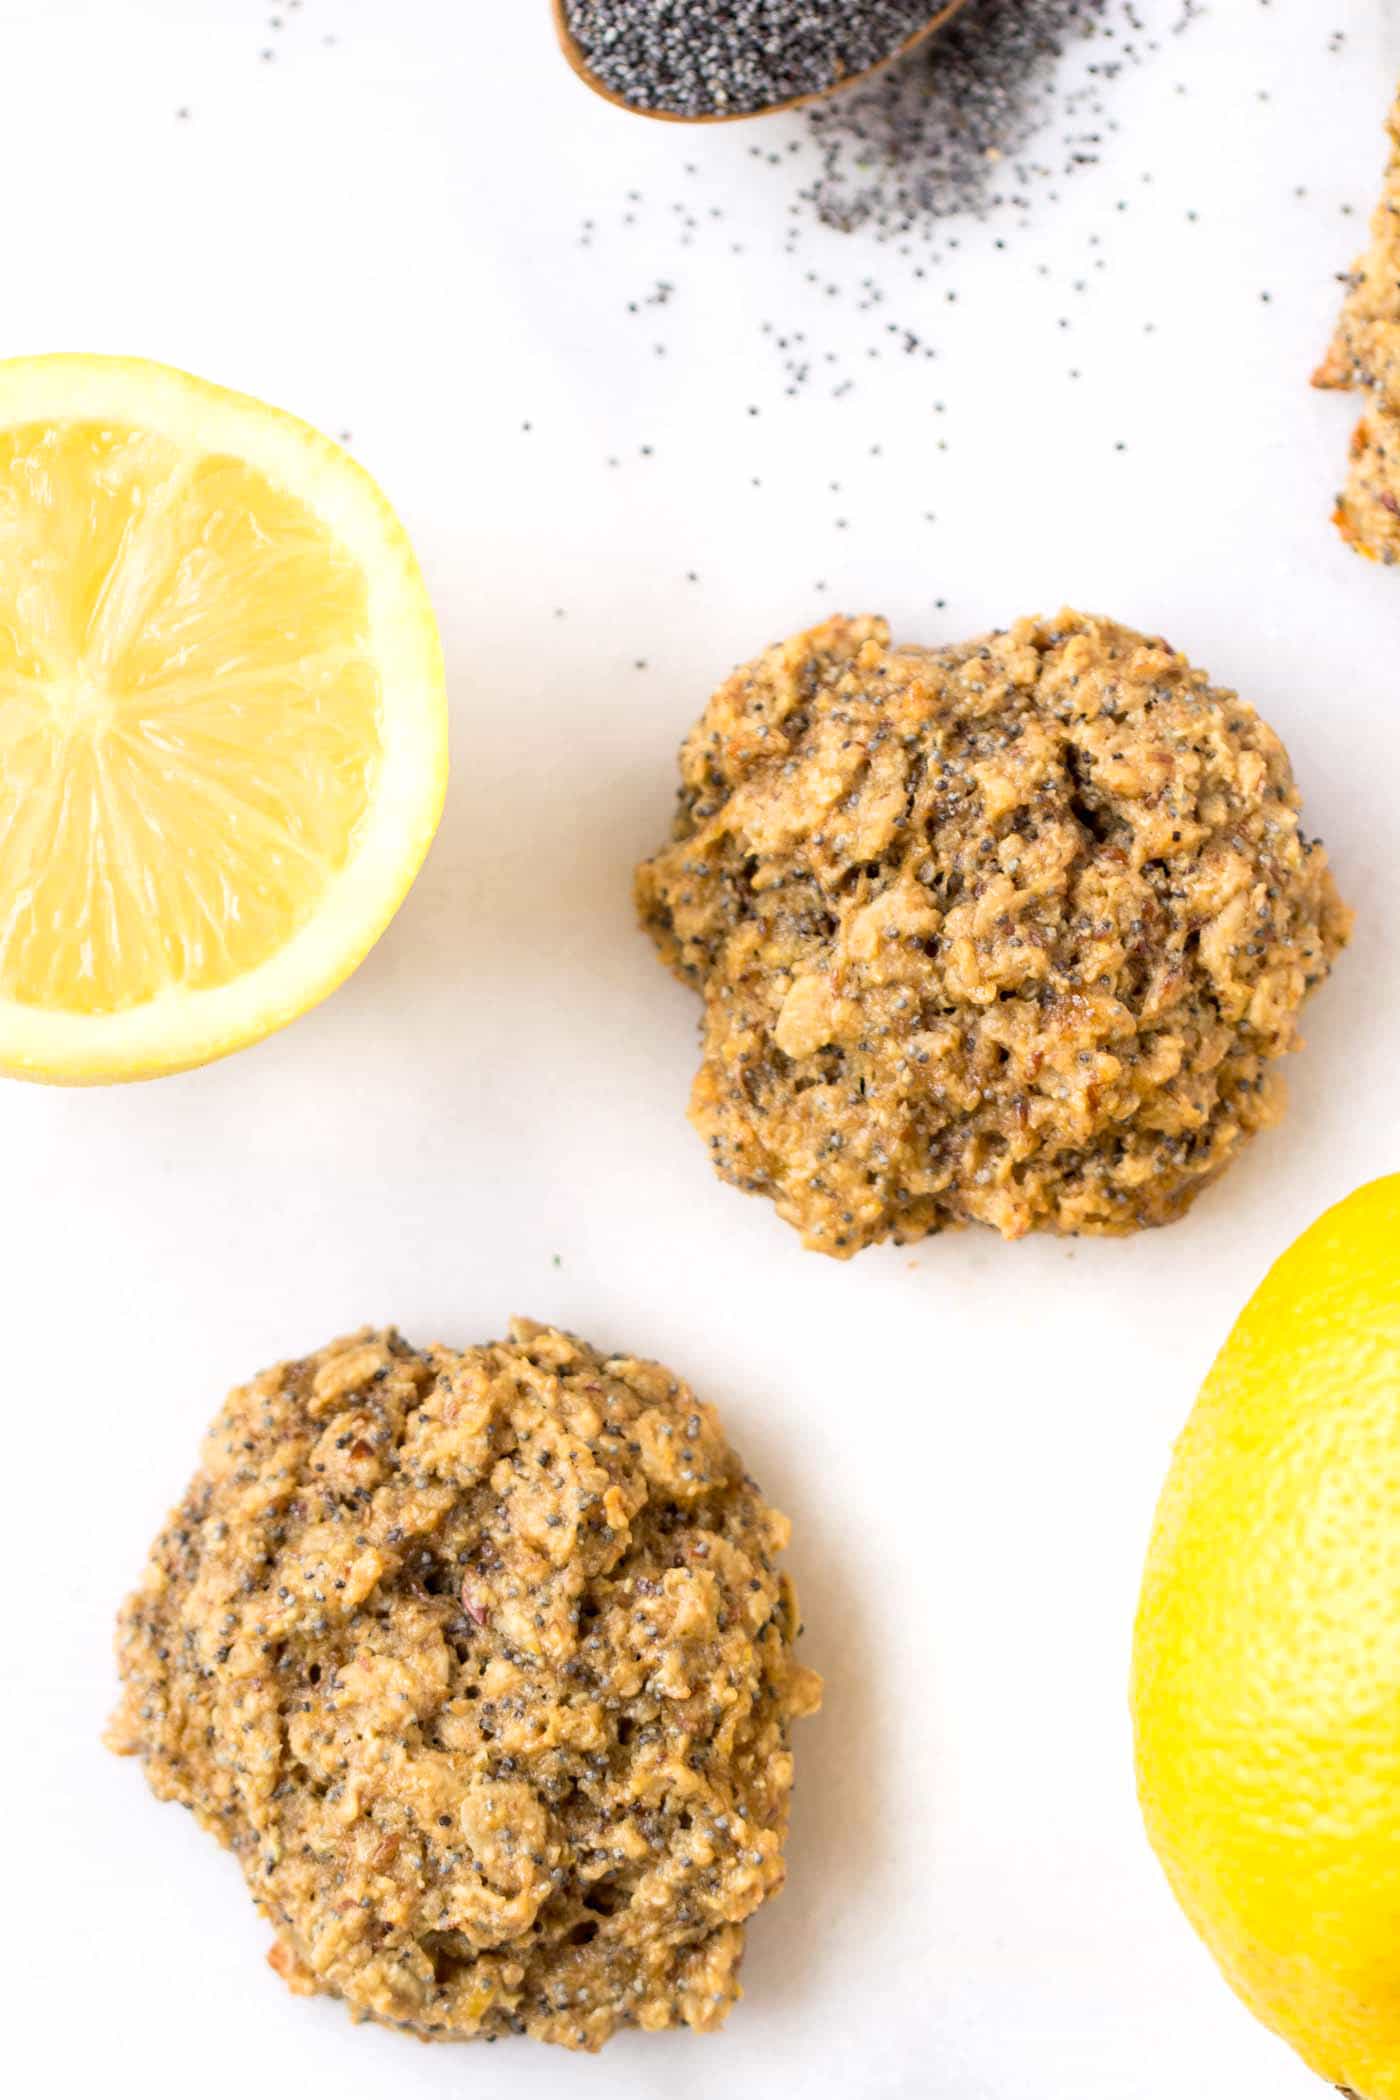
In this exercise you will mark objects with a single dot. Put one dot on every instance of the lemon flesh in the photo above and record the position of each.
(1266, 1681)
(222, 720)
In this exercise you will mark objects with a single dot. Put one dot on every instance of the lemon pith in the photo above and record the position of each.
(222, 718)
(1266, 1679)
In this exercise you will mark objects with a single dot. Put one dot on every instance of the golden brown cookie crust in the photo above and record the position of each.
(481, 1664)
(1368, 509)
(1365, 353)
(1011, 933)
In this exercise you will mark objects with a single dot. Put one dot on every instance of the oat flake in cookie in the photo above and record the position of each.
(481, 1664)
(1012, 933)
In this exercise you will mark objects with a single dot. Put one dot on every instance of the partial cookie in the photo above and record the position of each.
(482, 1665)
(1012, 933)
(1368, 510)
(1365, 353)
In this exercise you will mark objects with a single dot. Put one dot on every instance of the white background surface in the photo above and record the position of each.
(382, 233)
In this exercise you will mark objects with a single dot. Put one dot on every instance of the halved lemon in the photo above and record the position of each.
(223, 725)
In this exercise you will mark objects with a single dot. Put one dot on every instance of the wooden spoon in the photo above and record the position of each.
(590, 79)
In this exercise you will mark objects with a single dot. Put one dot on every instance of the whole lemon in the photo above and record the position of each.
(1266, 1675)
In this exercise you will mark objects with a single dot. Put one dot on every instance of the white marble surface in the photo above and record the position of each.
(382, 233)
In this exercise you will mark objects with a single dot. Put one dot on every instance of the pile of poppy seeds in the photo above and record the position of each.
(983, 121)
(730, 58)
(939, 135)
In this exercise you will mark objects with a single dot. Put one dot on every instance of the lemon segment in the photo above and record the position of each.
(222, 718)
(1266, 1679)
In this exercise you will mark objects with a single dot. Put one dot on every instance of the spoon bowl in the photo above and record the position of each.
(569, 45)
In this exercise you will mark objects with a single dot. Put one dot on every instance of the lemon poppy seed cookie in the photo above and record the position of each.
(1012, 933)
(482, 1666)
(1365, 353)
